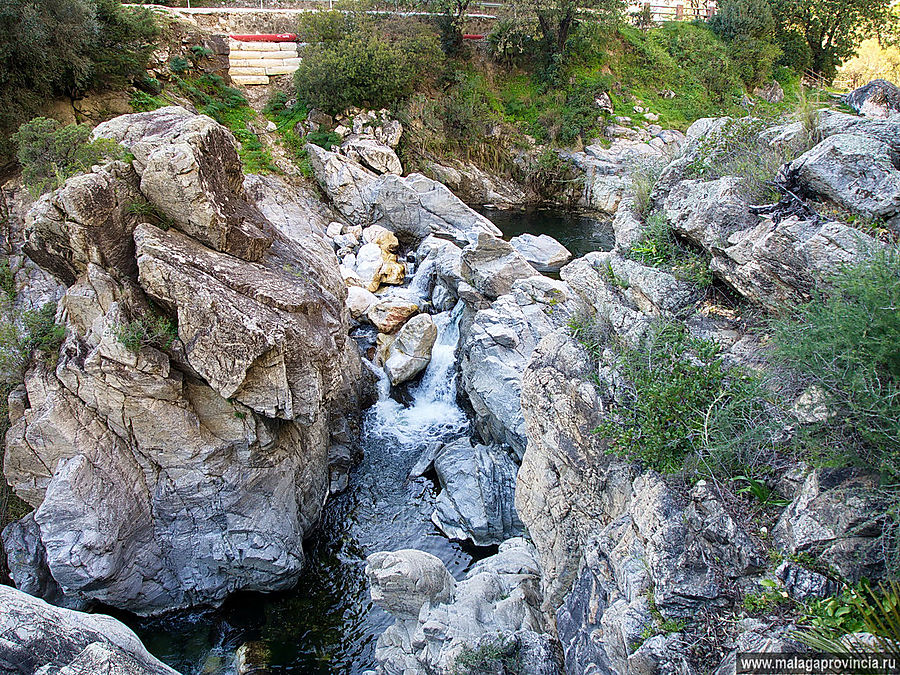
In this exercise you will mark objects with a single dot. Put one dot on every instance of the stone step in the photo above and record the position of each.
(255, 46)
(254, 63)
(244, 70)
(281, 54)
(250, 79)
(280, 70)
(293, 62)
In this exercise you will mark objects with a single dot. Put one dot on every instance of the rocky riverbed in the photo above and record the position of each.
(379, 373)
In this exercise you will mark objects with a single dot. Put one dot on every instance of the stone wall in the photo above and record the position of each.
(255, 62)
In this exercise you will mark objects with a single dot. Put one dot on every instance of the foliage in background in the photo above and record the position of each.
(50, 153)
(846, 342)
(822, 34)
(51, 48)
(497, 656)
(871, 61)
(658, 247)
(227, 106)
(748, 26)
(353, 61)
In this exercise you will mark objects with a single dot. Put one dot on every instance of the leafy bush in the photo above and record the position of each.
(872, 611)
(7, 280)
(498, 656)
(658, 247)
(141, 101)
(680, 401)
(739, 150)
(50, 153)
(227, 106)
(846, 342)
(365, 67)
(747, 26)
(52, 48)
(155, 331)
(24, 333)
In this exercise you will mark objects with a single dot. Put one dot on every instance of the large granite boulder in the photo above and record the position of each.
(89, 219)
(879, 98)
(344, 180)
(410, 352)
(415, 207)
(495, 351)
(707, 213)
(543, 252)
(36, 637)
(190, 171)
(476, 501)
(371, 154)
(854, 171)
(492, 265)
(437, 620)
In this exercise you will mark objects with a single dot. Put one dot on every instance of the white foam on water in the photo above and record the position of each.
(433, 414)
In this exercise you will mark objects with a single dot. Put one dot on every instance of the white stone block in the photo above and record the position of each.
(245, 70)
(250, 79)
(254, 46)
(277, 55)
(280, 70)
(247, 63)
(292, 62)
(289, 46)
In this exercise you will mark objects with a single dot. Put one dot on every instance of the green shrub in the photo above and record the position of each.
(155, 331)
(748, 26)
(51, 48)
(491, 657)
(846, 342)
(658, 247)
(366, 68)
(24, 333)
(42, 333)
(7, 280)
(50, 153)
(682, 409)
(141, 101)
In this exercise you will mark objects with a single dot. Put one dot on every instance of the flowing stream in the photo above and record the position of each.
(327, 624)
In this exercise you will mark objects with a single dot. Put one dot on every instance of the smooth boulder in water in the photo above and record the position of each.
(477, 498)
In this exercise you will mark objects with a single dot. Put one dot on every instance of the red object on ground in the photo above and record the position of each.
(473, 37)
(269, 37)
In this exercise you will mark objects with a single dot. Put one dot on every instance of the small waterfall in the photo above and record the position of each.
(434, 414)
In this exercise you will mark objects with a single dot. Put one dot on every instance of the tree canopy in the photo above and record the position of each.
(828, 31)
(66, 47)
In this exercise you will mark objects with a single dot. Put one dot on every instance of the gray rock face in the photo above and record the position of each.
(772, 264)
(655, 548)
(193, 466)
(478, 484)
(86, 221)
(707, 213)
(343, 180)
(410, 352)
(41, 638)
(543, 252)
(415, 207)
(496, 349)
(857, 172)
(492, 265)
(497, 601)
(624, 294)
(567, 485)
(190, 170)
(835, 517)
(879, 98)
(372, 154)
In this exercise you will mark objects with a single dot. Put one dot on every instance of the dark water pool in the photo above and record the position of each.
(578, 232)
